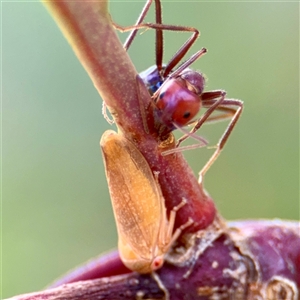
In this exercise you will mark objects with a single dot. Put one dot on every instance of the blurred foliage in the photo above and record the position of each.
(56, 208)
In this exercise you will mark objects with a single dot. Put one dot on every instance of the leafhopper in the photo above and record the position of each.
(145, 234)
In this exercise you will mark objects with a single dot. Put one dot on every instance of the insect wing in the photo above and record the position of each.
(135, 195)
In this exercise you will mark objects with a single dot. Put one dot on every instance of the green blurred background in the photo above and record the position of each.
(56, 208)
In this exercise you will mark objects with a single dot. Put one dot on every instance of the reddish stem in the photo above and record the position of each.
(249, 260)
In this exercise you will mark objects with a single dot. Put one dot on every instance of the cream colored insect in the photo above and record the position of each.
(144, 232)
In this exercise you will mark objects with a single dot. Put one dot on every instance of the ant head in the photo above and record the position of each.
(195, 81)
(177, 102)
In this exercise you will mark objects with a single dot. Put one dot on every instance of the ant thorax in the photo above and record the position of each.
(152, 78)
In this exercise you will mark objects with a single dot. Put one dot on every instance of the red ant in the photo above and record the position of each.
(178, 95)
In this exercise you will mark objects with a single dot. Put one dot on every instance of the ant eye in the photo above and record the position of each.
(186, 115)
(161, 95)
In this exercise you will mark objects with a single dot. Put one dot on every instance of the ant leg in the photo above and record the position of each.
(159, 37)
(140, 19)
(213, 106)
(184, 148)
(187, 63)
(227, 112)
(224, 137)
(106, 117)
(159, 34)
(202, 142)
(183, 49)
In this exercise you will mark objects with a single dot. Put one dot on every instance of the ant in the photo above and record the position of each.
(179, 95)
